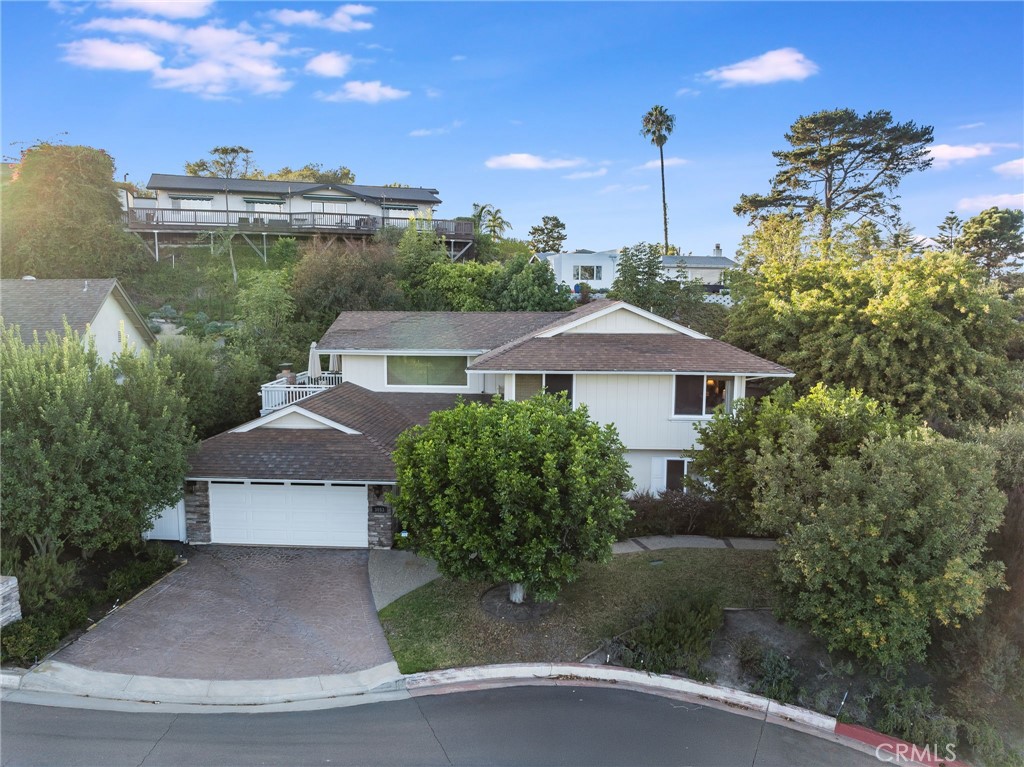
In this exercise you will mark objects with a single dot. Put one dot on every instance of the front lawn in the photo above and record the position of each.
(442, 624)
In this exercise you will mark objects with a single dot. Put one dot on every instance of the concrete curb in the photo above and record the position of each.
(10, 679)
(64, 678)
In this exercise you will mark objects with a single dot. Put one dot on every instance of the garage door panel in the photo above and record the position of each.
(288, 515)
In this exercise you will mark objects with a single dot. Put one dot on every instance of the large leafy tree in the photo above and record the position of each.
(517, 492)
(548, 236)
(315, 173)
(530, 286)
(641, 281)
(882, 524)
(879, 548)
(841, 164)
(92, 451)
(332, 277)
(225, 162)
(993, 239)
(925, 334)
(657, 125)
(62, 217)
(417, 251)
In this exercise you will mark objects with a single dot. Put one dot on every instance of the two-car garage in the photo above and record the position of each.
(288, 513)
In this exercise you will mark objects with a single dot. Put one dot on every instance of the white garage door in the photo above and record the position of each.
(288, 515)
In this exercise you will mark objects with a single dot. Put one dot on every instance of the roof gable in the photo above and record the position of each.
(631, 319)
(41, 305)
(294, 413)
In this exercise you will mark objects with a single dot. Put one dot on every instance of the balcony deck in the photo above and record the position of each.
(247, 222)
(280, 393)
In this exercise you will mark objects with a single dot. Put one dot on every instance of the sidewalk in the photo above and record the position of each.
(394, 573)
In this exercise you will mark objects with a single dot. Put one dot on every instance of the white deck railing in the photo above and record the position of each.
(280, 393)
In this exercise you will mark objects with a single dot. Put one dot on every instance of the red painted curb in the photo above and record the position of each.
(896, 751)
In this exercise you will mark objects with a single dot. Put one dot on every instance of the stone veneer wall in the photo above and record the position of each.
(10, 601)
(381, 525)
(197, 512)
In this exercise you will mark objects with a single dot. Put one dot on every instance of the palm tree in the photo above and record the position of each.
(496, 225)
(657, 126)
(480, 213)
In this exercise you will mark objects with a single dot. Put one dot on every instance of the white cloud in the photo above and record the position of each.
(433, 93)
(522, 161)
(71, 8)
(983, 201)
(587, 174)
(970, 126)
(670, 162)
(171, 9)
(687, 92)
(158, 30)
(96, 53)
(458, 57)
(621, 189)
(771, 67)
(342, 20)
(368, 92)
(421, 132)
(1012, 168)
(945, 155)
(329, 64)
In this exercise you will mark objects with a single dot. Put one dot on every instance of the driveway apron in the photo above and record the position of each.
(238, 612)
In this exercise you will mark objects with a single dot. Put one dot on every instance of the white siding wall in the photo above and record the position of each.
(296, 204)
(563, 263)
(648, 468)
(294, 421)
(105, 328)
(620, 321)
(367, 371)
(640, 406)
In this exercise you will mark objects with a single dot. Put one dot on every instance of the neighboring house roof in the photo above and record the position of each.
(425, 331)
(211, 185)
(324, 454)
(610, 353)
(42, 305)
(707, 262)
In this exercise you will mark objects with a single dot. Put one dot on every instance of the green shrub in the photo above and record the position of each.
(124, 582)
(43, 578)
(676, 639)
(989, 747)
(37, 635)
(776, 677)
(750, 652)
(910, 713)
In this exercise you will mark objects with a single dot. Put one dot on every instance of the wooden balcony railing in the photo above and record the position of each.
(248, 221)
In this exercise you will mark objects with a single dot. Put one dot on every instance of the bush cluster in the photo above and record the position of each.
(677, 638)
(39, 633)
(674, 512)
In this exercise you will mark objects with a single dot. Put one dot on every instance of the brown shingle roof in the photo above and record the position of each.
(324, 454)
(42, 305)
(612, 352)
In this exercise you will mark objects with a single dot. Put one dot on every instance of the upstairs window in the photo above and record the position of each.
(427, 371)
(529, 384)
(586, 273)
(698, 396)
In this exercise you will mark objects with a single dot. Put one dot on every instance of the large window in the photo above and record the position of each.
(528, 384)
(698, 396)
(427, 371)
(586, 272)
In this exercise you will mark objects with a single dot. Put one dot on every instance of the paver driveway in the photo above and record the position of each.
(237, 612)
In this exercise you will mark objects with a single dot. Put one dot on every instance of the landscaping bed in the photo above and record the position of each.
(105, 581)
(442, 625)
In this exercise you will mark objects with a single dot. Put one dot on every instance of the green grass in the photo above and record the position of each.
(442, 625)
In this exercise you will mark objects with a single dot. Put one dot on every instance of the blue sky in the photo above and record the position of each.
(532, 107)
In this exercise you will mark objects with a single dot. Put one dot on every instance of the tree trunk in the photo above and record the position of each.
(516, 593)
(664, 200)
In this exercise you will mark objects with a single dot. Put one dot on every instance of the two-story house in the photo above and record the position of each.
(315, 470)
(600, 268)
(255, 209)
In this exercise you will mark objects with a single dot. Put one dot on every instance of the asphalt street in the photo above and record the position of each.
(549, 725)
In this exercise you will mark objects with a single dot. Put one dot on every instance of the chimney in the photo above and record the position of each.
(718, 250)
(286, 373)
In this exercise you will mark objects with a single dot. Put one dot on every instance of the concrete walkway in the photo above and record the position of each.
(394, 573)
